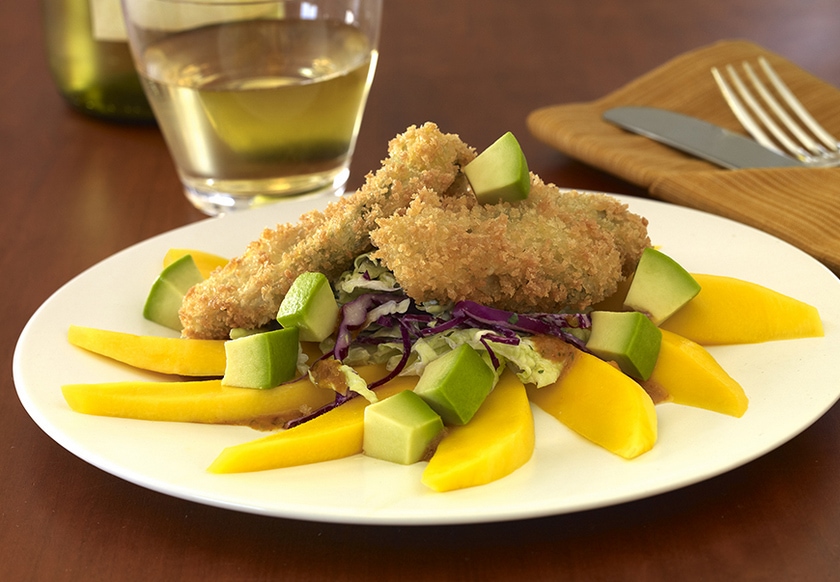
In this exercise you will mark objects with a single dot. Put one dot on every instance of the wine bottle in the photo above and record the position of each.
(90, 60)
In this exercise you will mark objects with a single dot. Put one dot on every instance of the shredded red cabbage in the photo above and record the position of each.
(504, 328)
(353, 317)
(338, 401)
(406, 352)
(494, 359)
(508, 323)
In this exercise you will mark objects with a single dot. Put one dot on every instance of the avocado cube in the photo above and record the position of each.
(500, 173)
(456, 384)
(168, 290)
(310, 306)
(628, 338)
(400, 429)
(660, 286)
(262, 360)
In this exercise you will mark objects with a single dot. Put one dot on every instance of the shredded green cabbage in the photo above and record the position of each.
(357, 384)
(368, 275)
(371, 276)
(523, 359)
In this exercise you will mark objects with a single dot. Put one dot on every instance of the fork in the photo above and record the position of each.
(805, 139)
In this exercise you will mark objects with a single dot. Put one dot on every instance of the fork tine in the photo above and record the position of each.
(742, 113)
(826, 138)
(813, 154)
(779, 111)
(762, 115)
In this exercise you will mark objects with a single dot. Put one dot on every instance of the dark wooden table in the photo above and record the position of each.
(75, 190)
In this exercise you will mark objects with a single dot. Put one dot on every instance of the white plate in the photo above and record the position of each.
(790, 385)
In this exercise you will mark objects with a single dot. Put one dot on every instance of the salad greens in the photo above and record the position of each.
(379, 324)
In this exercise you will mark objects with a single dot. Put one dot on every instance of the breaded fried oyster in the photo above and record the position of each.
(247, 292)
(554, 251)
(551, 252)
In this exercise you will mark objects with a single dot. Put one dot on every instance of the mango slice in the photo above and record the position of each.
(690, 376)
(166, 355)
(498, 440)
(733, 311)
(597, 401)
(206, 262)
(204, 401)
(333, 435)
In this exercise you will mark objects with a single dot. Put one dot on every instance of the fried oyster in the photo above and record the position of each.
(551, 252)
(247, 292)
(555, 251)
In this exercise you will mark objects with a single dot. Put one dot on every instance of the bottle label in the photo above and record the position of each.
(108, 23)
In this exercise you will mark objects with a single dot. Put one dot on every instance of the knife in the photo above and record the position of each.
(698, 138)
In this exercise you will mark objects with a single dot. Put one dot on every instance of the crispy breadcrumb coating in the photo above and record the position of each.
(552, 252)
(555, 251)
(247, 292)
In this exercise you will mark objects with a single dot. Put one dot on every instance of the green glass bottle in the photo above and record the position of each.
(90, 60)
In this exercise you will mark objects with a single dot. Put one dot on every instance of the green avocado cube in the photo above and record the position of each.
(168, 290)
(500, 173)
(660, 286)
(628, 338)
(456, 384)
(400, 429)
(310, 306)
(262, 360)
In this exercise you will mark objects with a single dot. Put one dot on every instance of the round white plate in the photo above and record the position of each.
(790, 384)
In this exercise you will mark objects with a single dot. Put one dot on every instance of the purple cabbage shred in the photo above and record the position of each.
(504, 327)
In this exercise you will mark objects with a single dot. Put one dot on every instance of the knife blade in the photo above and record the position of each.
(698, 138)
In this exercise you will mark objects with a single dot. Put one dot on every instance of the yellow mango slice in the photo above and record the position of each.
(498, 440)
(206, 262)
(733, 311)
(333, 435)
(597, 401)
(166, 355)
(690, 376)
(204, 401)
